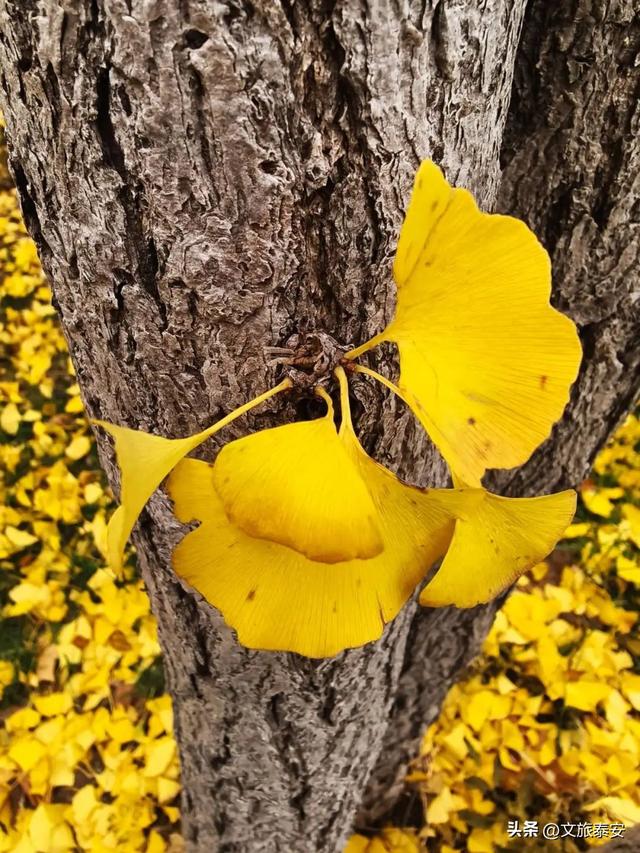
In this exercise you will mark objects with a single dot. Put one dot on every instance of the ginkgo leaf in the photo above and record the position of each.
(144, 461)
(621, 808)
(485, 361)
(495, 541)
(296, 485)
(277, 598)
(10, 418)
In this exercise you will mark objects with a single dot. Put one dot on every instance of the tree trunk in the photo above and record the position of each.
(203, 180)
(571, 165)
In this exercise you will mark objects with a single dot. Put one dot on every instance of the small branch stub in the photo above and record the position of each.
(307, 357)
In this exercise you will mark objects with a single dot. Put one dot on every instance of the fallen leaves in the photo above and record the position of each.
(546, 725)
(548, 720)
(87, 755)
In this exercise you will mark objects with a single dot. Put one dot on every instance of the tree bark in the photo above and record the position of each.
(202, 181)
(570, 156)
(629, 843)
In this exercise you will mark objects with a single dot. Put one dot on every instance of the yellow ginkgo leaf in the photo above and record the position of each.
(26, 752)
(357, 844)
(277, 598)
(18, 538)
(48, 830)
(586, 695)
(390, 840)
(78, 447)
(485, 361)
(632, 516)
(440, 808)
(620, 808)
(53, 703)
(495, 540)
(144, 461)
(159, 754)
(296, 485)
(10, 419)
(599, 501)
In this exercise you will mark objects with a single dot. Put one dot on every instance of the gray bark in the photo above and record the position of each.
(571, 170)
(629, 843)
(202, 179)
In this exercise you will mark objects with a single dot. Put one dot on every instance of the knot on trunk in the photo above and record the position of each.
(307, 357)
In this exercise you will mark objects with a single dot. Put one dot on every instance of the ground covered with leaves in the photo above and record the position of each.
(544, 728)
(546, 725)
(87, 755)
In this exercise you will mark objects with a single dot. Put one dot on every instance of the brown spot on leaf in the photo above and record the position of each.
(118, 641)
(543, 380)
(471, 421)
(251, 595)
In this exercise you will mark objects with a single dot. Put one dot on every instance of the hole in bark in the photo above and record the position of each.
(310, 408)
(437, 153)
(195, 38)
(25, 62)
(306, 148)
(74, 272)
(298, 801)
(269, 166)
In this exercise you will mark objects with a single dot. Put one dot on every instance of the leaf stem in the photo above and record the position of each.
(246, 407)
(345, 408)
(365, 347)
(359, 368)
(320, 392)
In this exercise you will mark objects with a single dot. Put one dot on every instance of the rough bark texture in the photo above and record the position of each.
(202, 180)
(571, 161)
(629, 843)
(571, 158)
